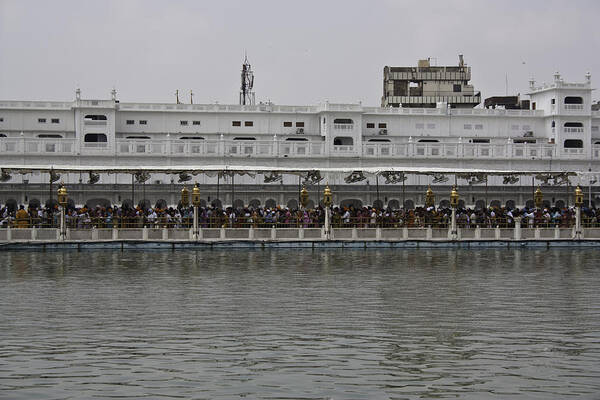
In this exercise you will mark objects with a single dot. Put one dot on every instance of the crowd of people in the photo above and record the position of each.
(282, 217)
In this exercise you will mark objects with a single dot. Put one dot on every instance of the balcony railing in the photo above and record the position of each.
(281, 148)
(573, 130)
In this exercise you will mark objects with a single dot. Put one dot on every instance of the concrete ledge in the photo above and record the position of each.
(297, 244)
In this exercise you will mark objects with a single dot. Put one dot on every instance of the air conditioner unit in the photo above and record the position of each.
(300, 130)
(383, 131)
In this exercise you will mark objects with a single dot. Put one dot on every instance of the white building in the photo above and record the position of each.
(559, 133)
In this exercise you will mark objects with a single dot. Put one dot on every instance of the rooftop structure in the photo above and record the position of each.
(424, 86)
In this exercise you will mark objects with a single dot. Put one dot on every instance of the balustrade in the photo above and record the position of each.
(283, 148)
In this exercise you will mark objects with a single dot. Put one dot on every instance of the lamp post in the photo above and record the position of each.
(578, 204)
(304, 197)
(538, 198)
(185, 198)
(429, 198)
(196, 204)
(454, 196)
(327, 201)
(62, 200)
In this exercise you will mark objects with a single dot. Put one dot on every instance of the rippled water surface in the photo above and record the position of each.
(300, 324)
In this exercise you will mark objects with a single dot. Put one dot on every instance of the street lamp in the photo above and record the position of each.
(327, 201)
(196, 204)
(429, 198)
(578, 204)
(63, 199)
(304, 197)
(185, 201)
(454, 196)
(538, 198)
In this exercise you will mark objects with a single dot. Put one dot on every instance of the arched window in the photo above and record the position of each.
(573, 125)
(428, 141)
(343, 141)
(49, 136)
(573, 144)
(95, 117)
(244, 138)
(553, 124)
(95, 138)
(379, 140)
(2, 135)
(573, 100)
(137, 137)
(294, 139)
(191, 138)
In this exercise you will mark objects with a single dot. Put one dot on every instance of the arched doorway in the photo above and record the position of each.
(510, 204)
(393, 204)
(270, 203)
(409, 204)
(292, 204)
(238, 204)
(254, 203)
(93, 203)
(356, 203)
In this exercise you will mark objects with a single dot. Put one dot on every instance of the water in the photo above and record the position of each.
(298, 324)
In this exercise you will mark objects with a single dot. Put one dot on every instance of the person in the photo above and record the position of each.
(22, 217)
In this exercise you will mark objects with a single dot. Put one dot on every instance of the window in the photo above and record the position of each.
(480, 141)
(521, 141)
(130, 122)
(420, 126)
(553, 101)
(2, 135)
(55, 120)
(236, 123)
(137, 137)
(300, 124)
(197, 123)
(573, 125)
(382, 125)
(296, 139)
(370, 125)
(244, 138)
(468, 126)
(380, 140)
(478, 127)
(191, 138)
(95, 117)
(49, 136)
(95, 138)
(341, 121)
(573, 144)
(429, 141)
(343, 141)
(143, 122)
(595, 129)
(287, 124)
(430, 126)
(248, 123)
(573, 100)
(42, 120)
(1, 119)
(183, 123)
(456, 88)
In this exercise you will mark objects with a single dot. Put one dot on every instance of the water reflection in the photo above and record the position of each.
(300, 324)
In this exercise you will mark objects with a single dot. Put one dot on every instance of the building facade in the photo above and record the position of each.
(558, 133)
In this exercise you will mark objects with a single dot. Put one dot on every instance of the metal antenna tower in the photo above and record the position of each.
(246, 93)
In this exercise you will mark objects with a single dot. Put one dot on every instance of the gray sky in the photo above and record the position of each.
(302, 52)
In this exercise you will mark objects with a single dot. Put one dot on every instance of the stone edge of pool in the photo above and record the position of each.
(291, 244)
